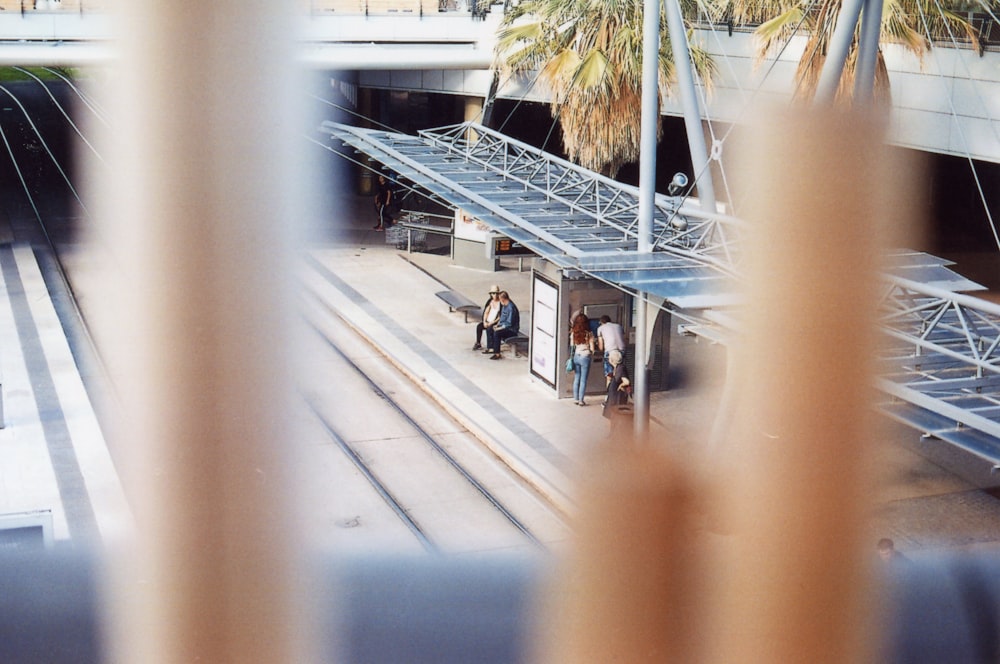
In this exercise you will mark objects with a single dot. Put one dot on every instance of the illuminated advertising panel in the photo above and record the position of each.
(544, 327)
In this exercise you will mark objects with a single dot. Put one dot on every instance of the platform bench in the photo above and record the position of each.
(458, 302)
(516, 343)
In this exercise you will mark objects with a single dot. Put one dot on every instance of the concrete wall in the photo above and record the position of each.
(949, 103)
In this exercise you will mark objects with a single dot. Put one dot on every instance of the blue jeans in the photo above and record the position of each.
(581, 369)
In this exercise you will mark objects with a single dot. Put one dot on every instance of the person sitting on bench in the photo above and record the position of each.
(506, 327)
(491, 314)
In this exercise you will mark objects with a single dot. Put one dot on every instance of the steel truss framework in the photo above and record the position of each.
(941, 362)
(941, 365)
(578, 219)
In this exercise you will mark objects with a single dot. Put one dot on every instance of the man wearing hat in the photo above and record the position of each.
(491, 314)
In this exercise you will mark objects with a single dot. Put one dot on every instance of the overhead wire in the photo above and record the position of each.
(48, 151)
(717, 143)
(20, 176)
(87, 100)
(715, 154)
(378, 171)
(62, 111)
(954, 113)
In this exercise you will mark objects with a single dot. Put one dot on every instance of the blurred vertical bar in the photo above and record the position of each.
(626, 589)
(823, 191)
(200, 217)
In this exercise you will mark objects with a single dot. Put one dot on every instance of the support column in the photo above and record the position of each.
(473, 113)
(366, 106)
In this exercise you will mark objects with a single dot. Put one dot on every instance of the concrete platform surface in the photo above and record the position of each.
(929, 496)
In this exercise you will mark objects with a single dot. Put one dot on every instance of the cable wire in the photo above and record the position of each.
(958, 125)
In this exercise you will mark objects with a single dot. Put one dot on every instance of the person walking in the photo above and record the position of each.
(583, 343)
(508, 325)
(383, 199)
(610, 337)
(491, 314)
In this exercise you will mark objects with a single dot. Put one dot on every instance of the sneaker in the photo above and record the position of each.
(477, 347)
(496, 357)
(581, 403)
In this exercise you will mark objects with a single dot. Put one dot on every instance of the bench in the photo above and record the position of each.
(516, 342)
(458, 302)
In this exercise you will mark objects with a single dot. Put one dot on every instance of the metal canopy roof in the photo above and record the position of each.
(942, 362)
(581, 220)
(573, 217)
(941, 365)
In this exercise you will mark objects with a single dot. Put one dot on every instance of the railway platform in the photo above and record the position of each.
(55, 456)
(929, 497)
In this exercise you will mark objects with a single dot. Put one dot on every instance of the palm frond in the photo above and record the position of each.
(592, 70)
(589, 54)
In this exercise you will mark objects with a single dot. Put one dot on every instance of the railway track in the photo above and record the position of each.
(409, 476)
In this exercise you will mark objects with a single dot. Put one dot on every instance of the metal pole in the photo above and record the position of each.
(647, 165)
(689, 101)
(864, 74)
(647, 193)
(840, 43)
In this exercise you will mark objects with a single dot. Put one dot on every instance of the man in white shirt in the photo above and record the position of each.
(610, 336)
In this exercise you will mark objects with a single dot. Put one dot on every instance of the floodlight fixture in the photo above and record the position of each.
(677, 184)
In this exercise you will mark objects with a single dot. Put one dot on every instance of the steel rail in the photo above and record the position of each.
(376, 483)
(429, 439)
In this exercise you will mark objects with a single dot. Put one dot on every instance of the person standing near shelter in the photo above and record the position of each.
(491, 314)
(619, 385)
(507, 326)
(383, 199)
(610, 337)
(583, 343)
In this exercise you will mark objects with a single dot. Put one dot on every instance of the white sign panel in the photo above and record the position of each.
(470, 228)
(544, 326)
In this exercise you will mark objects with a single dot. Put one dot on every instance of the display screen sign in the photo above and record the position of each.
(504, 246)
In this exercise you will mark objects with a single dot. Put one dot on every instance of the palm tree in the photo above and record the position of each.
(589, 55)
(905, 22)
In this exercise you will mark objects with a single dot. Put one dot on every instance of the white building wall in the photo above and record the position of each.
(949, 103)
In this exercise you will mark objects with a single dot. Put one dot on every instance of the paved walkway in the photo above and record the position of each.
(55, 456)
(388, 295)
